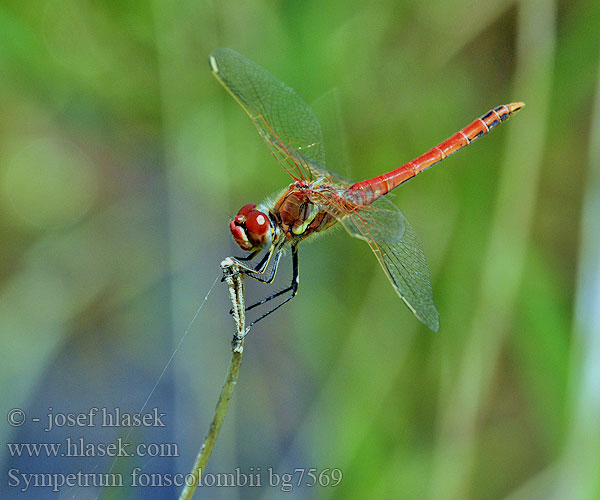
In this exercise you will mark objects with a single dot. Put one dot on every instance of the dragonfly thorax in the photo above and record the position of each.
(251, 228)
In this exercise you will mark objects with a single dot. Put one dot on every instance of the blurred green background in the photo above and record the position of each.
(122, 159)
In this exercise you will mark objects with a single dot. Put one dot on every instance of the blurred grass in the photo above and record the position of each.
(121, 159)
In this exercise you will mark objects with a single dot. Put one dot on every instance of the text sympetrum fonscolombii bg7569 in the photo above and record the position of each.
(318, 198)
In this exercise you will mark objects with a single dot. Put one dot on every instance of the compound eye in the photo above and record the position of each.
(246, 209)
(257, 222)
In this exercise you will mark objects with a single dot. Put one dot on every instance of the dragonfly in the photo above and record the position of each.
(318, 199)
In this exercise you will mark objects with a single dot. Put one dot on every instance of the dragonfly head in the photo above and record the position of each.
(251, 228)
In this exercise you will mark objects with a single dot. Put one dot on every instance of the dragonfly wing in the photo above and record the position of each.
(286, 123)
(397, 248)
(328, 110)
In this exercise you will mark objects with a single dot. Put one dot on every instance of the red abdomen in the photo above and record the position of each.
(366, 192)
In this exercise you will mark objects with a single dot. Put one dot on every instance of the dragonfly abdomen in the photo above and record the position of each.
(372, 189)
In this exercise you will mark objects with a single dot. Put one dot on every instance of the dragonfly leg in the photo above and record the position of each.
(260, 269)
(269, 279)
(293, 288)
(243, 267)
(247, 257)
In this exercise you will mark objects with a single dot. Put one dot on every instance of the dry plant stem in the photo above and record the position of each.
(235, 282)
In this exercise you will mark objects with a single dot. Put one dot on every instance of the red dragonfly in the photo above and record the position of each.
(317, 198)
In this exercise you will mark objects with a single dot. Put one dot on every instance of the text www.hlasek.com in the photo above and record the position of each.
(79, 447)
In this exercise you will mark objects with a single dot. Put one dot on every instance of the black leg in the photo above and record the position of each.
(247, 257)
(270, 297)
(243, 267)
(292, 288)
(268, 279)
(260, 267)
(271, 276)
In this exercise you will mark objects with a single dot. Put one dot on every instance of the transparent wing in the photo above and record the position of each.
(328, 110)
(286, 123)
(397, 248)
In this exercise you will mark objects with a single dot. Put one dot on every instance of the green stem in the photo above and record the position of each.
(235, 281)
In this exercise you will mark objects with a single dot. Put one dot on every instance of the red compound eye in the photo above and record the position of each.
(257, 222)
(247, 209)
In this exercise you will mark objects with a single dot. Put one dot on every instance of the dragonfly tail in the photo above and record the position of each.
(369, 190)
